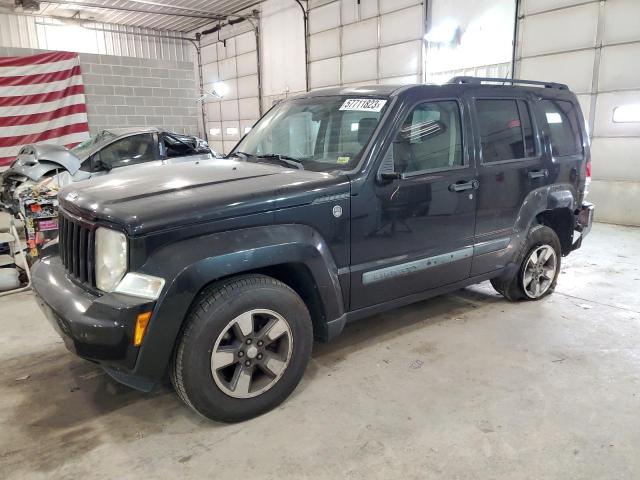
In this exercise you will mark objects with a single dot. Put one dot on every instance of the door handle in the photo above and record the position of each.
(538, 173)
(461, 186)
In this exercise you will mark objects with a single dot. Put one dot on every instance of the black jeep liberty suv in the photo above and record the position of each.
(338, 204)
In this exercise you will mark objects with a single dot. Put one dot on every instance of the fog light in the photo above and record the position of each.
(141, 327)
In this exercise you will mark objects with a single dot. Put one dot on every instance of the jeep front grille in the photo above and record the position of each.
(76, 244)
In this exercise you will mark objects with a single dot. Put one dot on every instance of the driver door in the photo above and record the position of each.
(413, 230)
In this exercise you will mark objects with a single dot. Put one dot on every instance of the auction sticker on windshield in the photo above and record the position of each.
(363, 104)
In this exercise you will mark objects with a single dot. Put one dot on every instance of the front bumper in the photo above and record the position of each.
(96, 327)
(584, 221)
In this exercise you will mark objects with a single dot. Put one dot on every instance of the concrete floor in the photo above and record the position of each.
(462, 386)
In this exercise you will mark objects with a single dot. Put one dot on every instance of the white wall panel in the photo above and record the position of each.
(246, 124)
(247, 64)
(324, 73)
(229, 144)
(368, 9)
(616, 158)
(552, 32)
(401, 26)
(360, 36)
(605, 104)
(229, 110)
(621, 21)
(401, 59)
(210, 52)
(575, 69)
(612, 200)
(324, 44)
(227, 68)
(405, 80)
(245, 43)
(536, 6)
(210, 72)
(620, 67)
(226, 49)
(585, 106)
(391, 5)
(231, 131)
(249, 108)
(350, 11)
(359, 67)
(213, 111)
(248, 86)
(324, 18)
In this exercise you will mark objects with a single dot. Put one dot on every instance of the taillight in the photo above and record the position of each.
(587, 181)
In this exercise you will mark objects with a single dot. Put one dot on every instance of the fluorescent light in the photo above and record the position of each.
(355, 126)
(627, 113)
(232, 131)
(553, 117)
(215, 131)
(247, 129)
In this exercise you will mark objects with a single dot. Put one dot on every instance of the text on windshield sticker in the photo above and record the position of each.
(363, 104)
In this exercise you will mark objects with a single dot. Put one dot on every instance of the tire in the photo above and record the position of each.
(209, 370)
(539, 239)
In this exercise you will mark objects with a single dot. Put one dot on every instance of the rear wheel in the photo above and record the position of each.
(539, 267)
(244, 349)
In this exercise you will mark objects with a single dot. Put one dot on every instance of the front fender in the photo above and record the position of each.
(191, 264)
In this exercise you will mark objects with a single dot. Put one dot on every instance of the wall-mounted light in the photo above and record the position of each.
(355, 126)
(627, 113)
(232, 131)
(247, 130)
(553, 117)
(215, 131)
(220, 89)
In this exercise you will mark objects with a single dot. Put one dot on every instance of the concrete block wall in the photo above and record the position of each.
(136, 92)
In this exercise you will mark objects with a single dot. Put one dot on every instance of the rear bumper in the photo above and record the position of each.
(584, 221)
(95, 327)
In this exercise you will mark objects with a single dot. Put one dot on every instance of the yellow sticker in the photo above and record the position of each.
(343, 160)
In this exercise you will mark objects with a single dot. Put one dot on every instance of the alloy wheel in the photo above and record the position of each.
(539, 271)
(251, 353)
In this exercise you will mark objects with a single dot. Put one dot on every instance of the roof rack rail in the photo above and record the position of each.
(512, 81)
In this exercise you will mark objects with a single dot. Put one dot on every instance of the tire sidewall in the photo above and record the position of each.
(204, 395)
(539, 235)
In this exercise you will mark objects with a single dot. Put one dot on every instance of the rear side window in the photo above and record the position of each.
(505, 130)
(564, 128)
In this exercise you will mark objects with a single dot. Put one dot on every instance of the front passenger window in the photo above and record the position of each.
(430, 139)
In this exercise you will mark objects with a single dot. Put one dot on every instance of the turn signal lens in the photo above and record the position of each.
(141, 327)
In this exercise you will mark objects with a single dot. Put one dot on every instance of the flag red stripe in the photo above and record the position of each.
(6, 161)
(40, 97)
(39, 59)
(39, 78)
(42, 117)
(45, 135)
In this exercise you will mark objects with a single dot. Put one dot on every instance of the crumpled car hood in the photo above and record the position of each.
(34, 161)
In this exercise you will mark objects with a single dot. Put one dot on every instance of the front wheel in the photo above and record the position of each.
(539, 267)
(245, 347)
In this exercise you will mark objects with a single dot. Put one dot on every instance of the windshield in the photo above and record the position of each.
(83, 148)
(321, 133)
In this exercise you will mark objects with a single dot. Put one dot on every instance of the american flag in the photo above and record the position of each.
(41, 101)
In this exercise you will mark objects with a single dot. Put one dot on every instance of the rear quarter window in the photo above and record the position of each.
(564, 128)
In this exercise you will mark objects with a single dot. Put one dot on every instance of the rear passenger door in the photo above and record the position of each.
(510, 165)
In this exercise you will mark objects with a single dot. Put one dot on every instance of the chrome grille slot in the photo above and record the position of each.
(75, 241)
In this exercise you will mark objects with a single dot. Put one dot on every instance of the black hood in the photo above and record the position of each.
(144, 200)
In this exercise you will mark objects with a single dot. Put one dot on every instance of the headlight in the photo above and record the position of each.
(140, 285)
(111, 258)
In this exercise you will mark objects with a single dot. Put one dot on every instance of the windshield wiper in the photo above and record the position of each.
(242, 155)
(284, 159)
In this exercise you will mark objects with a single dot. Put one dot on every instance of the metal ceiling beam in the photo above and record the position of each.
(210, 16)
